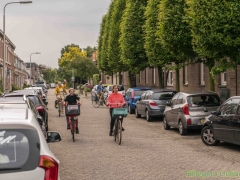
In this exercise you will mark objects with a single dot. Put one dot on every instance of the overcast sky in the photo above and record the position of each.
(46, 26)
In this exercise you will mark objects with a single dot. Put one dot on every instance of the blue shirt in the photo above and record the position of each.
(100, 88)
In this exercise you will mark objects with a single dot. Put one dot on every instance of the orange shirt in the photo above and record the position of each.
(116, 100)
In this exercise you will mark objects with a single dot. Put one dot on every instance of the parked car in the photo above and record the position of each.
(24, 151)
(188, 110)
(41, 92)
(121, 89)
(223, 124)
(38, 103)
(131, 96)
(23, 103)
(152, 103)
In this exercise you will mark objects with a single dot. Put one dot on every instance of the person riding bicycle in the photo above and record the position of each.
(60, 92)
(115, 100)
(72, 99)
(100, 89)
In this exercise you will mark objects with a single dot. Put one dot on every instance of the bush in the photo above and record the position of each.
(86, 89)
(25, 86)
(95, 79)
(14, 88)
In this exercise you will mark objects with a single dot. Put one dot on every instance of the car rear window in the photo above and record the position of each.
(34, 100)
(19, 150)
(163, 95)
(203, 100)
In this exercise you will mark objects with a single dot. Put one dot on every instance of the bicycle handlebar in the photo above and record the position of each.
(116, 105)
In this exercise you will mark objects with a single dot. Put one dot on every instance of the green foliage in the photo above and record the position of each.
(90, 50)
(14, 88)
(25, 86)
(86, 89)
(95, 79)
(215, 30)
(66, 48)
(114, 34)
(50, 75)
(132, 36)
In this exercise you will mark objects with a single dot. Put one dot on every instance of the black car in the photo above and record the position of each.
(223, 124)
(39, 104)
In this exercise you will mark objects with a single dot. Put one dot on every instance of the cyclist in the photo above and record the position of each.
(60, 92)
(115, 100)
(100, 89)
(72, 99)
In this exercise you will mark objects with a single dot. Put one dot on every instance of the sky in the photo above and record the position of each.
(46, 26)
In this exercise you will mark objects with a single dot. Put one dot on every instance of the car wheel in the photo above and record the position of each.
(207, 136)
(148, 117)
(181, 128)
(130, 111)
(165, 124)
(136, 113)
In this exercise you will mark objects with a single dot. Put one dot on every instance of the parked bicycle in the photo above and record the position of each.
(72, 112)
(118, 114)
(96, 101)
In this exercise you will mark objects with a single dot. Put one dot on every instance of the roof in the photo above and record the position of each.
(163, 90)
(141, 88)
(199, 93)
(20, 94)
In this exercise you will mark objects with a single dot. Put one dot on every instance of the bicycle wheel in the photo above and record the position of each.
(115, 130)
(119, 134)
(96, 103)
(73, 128)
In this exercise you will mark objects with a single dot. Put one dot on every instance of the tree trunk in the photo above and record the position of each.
(177, 80)
(211, 79)
(120, 77)
(129, 79)
(160, 77)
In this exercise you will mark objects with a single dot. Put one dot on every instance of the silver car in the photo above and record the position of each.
(188, 110)
(24, 153)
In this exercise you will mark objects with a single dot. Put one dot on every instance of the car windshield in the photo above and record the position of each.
(19, 150)
(163, 95)
(203, 100)
(120, 88)
(35, 100)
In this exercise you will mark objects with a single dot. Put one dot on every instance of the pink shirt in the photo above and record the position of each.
(116, 100)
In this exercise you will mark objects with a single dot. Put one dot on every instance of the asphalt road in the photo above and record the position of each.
(147, 150)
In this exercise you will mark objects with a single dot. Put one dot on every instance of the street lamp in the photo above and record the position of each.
(4, 39)
(31, 65)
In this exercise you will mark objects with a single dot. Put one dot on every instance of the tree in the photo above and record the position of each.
(175, 34)
(89, 50)
(154, 50)
(132, 37)
(113, 42)
(215, 31)
(66, 48)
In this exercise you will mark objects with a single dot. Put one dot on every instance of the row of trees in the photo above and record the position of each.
(73, 60)
(135, 34)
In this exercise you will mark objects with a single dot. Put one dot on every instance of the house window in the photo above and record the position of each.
(146, 76)
(202, 74)
(223, 79)
(153, 75)
(170, 78)
(185, 75)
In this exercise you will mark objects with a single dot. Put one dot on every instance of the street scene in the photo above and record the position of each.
(119, 89)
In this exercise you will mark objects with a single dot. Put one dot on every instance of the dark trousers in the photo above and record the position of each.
(112, 120)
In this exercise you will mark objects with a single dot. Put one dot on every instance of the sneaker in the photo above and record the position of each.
(62, 111)
(77, 130)
(68, 127)
(110, 133)
(123, 129)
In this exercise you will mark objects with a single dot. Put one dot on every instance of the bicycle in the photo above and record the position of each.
(118, 114)
(72, 113)
(96, 100)
(59, 102)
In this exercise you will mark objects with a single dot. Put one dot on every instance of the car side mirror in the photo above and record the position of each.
(215, 112)
(45, 102)
(53, 137)
(139, 99)
(168, 103)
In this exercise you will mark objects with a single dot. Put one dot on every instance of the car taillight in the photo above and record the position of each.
(152, 103)
(189, 122)
(50, 166)
(40, 108)
(132, 95)
(185, 109)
